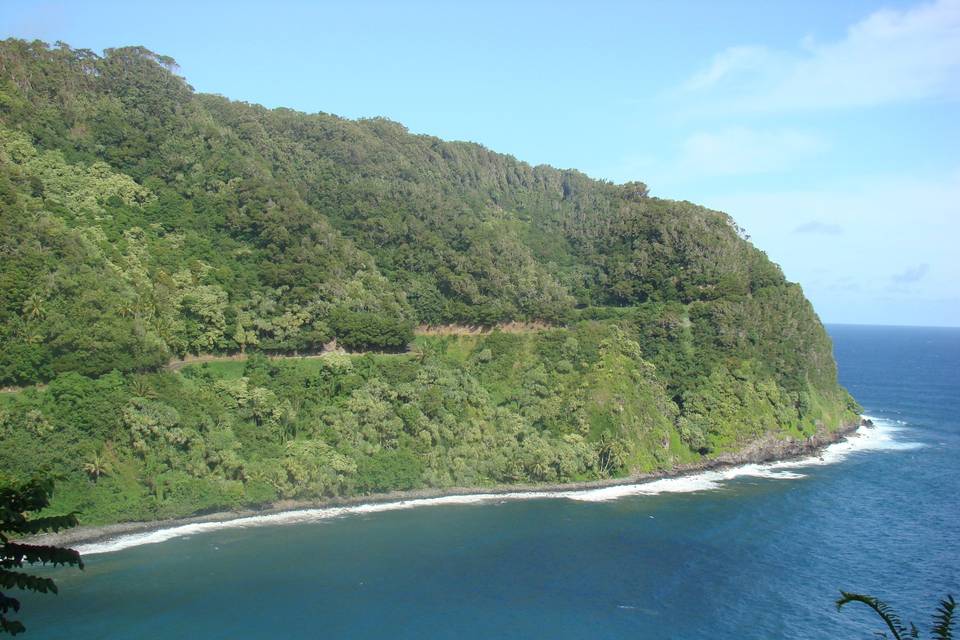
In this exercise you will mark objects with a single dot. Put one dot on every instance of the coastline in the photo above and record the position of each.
(764, 450)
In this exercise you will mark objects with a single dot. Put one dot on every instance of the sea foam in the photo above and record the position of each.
(878, 438)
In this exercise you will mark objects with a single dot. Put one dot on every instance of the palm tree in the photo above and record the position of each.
(611, 454)
(96, 466)
(141, 388)
(33, 307)
(942, 619)
(127, 309)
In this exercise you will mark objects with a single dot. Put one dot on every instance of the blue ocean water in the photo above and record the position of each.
(754, 556)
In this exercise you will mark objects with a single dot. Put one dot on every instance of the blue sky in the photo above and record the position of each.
(829, 130)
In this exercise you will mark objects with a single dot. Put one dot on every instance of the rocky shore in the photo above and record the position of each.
(767, 449)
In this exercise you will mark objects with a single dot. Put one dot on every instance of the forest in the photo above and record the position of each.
(142, 222)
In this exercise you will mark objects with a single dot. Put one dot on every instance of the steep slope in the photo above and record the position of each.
(142, 221)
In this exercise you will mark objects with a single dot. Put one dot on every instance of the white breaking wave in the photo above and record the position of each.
(880, 437)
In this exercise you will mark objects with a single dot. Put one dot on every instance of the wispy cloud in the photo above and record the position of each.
(911, 275)
(741, 150)
(898, 240)
(889, 57)
(730, 151)
(737, 63)
(844, 284)
(815, 226)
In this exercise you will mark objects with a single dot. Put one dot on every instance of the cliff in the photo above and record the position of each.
(141, 222)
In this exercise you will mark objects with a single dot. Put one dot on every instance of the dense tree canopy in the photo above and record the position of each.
(141, 221)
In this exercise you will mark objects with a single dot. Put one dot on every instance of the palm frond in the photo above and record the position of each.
(881, 609)
(943, 619)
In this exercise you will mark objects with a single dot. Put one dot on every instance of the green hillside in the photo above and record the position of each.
(141, 222)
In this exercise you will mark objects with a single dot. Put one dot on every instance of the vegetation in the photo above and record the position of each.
(17, 500)
(943, 621)
(141, 221)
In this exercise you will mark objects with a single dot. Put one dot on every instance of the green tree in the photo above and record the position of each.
(96, 466)
(141, 221)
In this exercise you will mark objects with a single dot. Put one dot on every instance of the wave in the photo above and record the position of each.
(878, 438)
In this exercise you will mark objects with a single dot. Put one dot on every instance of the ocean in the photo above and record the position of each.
(754, 553)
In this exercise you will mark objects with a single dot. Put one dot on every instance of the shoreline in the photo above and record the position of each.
(767, 449)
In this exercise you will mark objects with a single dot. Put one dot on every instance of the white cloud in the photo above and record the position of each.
(889, 57)
(731, 151)
(898, 244)
(740, 150)
(815, 226)
(733, 61)
(911, 275)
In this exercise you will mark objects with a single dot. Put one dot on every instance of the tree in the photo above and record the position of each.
(942, 619)
(17, 500)
(96, 466)
(140, 221)
(611, 454)
(367, 331)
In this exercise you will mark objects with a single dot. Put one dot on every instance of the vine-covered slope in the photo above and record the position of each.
(141, 221)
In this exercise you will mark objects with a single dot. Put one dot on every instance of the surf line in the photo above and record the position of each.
(880, 437)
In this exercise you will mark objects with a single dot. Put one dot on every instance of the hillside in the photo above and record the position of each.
(141, 221)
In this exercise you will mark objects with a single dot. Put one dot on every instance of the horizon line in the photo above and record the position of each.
(895, 326)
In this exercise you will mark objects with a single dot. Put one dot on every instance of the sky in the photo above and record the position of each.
(830, 131)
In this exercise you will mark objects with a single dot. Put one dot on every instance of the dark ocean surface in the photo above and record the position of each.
(757, 553)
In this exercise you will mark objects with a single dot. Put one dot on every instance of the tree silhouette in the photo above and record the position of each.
(17, 500)
(942, 619)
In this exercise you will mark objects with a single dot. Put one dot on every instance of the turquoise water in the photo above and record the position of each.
(752, 556)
